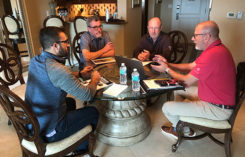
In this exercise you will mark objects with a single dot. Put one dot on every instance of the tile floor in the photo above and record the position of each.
(154, 145)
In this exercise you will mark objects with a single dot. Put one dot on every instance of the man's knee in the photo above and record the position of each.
(167, 106)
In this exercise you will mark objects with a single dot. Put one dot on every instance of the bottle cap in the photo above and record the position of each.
(135, 69)
(123, 64)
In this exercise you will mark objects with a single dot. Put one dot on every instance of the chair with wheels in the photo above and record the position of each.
(22, 116)
(209, 127)
(14, 33)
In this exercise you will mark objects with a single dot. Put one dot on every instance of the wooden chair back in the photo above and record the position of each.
(179, 44)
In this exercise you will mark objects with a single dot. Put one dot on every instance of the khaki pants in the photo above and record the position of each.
(187, 103)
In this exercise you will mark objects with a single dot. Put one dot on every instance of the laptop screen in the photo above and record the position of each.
(131, 64)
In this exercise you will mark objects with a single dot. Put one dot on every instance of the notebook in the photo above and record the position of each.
(131, 64)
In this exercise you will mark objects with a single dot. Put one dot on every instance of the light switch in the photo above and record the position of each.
(231, 15)
(239, 15)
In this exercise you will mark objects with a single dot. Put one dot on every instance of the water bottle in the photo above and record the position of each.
(123, 74)
(107, 15)
(135, 80)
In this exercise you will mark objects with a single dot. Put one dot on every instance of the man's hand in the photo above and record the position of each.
(86, 72)
(162, 61)
(144, 55)
(159, 59)
(108, 47)
(95, 77)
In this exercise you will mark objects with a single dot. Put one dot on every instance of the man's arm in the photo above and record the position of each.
(184, 67)
(107, 51)
(187, 79)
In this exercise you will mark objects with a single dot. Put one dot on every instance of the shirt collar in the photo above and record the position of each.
(52, 56)
(92, 37)
(216, 43)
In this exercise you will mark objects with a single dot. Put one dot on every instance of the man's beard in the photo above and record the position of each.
(63, 53)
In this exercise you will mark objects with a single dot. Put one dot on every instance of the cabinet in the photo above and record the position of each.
(64, 2)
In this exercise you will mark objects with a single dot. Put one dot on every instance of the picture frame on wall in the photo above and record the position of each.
(135, 3)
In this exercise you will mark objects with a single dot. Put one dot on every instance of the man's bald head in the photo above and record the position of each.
(209, 27)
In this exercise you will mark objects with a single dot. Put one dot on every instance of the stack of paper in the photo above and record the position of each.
(115, 89)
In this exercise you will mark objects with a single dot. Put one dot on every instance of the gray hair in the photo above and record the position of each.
(92, 18)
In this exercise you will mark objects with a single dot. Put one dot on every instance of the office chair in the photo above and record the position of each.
(208, 127)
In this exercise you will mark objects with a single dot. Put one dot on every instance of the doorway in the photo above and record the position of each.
(186, 14)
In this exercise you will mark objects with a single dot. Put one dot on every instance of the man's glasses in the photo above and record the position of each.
(96, 27)
(195, 35)
(154, 28)
(65, 41)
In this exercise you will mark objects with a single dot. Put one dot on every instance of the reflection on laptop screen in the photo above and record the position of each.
(131, 64)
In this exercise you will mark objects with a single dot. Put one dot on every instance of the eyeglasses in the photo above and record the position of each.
(195, 35)
(96, 27)
(65, 41)
(154, 28)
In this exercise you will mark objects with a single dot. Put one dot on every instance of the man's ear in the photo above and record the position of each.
(56, 46)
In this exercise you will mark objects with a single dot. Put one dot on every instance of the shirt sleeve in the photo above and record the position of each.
(62, 78)
(205, 64)
(106, 37)
(85, 41)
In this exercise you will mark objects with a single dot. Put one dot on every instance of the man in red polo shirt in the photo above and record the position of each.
(214, 71)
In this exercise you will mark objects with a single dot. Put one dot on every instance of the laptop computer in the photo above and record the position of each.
(131, 64)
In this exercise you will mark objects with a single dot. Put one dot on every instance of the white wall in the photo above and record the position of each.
(232, 31)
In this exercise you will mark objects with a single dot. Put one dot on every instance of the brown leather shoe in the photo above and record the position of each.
(169, 131)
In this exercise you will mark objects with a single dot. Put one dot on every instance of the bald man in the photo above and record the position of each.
(154, 42)
(215, 72)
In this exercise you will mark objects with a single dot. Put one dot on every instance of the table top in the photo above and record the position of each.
(111, 72)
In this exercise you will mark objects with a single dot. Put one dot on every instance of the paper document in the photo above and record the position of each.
(103, 60)
(115, 89)
(102, 84)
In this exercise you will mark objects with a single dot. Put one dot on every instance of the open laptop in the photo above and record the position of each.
(131, 64)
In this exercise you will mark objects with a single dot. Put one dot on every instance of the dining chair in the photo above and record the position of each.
(179, 45)
(80, 24)
(209, 127)
(14, 33)
(77, 52)
(31, 144)
(54, 21)
(11, 71)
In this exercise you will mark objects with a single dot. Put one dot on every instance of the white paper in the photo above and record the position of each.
(99, 86)
(115, 89)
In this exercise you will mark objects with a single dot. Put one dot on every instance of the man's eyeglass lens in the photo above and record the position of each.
(65, 41)
(96, 27)
(195, 35)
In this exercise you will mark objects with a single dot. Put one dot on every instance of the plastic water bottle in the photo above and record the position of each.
(107, 15)
(135, 80)
(123, 74)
